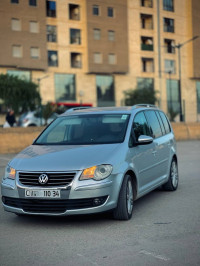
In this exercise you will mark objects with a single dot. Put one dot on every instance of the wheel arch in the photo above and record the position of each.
(134, 180)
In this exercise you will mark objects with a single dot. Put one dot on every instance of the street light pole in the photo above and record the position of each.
(178, 46)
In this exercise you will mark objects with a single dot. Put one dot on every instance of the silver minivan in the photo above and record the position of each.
(93, 160)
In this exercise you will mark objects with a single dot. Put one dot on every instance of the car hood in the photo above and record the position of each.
(63, 158)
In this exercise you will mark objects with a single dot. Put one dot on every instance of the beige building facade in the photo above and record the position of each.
(91, 51)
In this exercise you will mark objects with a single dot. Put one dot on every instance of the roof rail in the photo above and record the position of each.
(144, 105)
(77, 108)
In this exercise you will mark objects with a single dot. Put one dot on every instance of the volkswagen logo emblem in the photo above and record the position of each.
(43, 179)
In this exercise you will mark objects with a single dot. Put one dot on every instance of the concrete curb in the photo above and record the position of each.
(13, 140)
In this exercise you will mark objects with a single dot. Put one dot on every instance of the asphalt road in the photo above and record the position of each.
(164, 230)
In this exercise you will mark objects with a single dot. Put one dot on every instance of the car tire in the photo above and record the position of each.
(32, 125)
(124, 208)
(172, 183)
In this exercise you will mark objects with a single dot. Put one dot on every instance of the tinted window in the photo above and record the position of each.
(140, 126)
(153, 124)
(165, 122)
(161, 123)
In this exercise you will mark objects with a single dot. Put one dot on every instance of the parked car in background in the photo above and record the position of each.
(93, 160)
(33, 118)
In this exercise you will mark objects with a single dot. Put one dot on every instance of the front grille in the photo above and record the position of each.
(52, 206)
(54, 179)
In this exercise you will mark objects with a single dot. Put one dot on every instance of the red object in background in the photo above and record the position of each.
(71, 105)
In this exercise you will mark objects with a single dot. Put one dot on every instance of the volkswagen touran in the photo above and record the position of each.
(93, 160)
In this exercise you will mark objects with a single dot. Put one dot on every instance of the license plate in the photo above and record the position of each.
(42, 193)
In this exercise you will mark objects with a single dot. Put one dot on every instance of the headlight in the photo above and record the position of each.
(98, 172)
(10, 172)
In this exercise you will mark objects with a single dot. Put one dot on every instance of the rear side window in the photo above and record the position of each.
(161, 123)
(153, 123)
(140, 126)
(165, 122)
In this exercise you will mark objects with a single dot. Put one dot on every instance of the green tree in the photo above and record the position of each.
(47, 111)
(19, 94)
(139, 96)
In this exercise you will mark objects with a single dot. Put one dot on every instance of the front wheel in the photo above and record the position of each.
(124, 208)
(172, 182)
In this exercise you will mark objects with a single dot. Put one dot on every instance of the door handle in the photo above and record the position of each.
(154, 153)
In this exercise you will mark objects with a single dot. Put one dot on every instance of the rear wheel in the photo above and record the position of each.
(172, 182)
(124, 208)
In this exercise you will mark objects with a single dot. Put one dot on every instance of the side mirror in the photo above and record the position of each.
(143, 140)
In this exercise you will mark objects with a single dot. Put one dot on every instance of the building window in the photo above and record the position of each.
(51, 9)
(146, 3)
(35, 52)
(110, 12)
(147, 65)
(34, 26)
(97, 34)
(76, 60)
(143, 83)
(98, 58)
(105, 90)
(32, 2)
(168, 5)
(17, 51)
(24, 75)
(112, 59)
(146, 21)
(198, 96)
(53, 58)
(15, 24)
(95, 10)
(170, 66)
(14, 1)
(74, 12)
(65, 88)
(173, 103)
(51, 33)
(111, 35)
(168, 24)
(146, 43)
(169, 46)
(75, 36)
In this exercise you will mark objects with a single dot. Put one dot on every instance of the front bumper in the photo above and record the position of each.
(77, 198)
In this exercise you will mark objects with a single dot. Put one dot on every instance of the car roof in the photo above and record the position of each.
(122, 109)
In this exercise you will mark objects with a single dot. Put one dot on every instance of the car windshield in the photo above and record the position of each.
(85, 129)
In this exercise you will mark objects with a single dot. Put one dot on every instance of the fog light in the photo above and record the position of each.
(97, 201)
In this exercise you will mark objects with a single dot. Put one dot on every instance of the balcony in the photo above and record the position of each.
(146, 21)
(74, 12)
(146, 43)
(147, 65)
(146, 47)
(146, 3)
(76, 60)
(169, 46)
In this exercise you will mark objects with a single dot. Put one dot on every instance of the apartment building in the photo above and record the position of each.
(91, 51)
